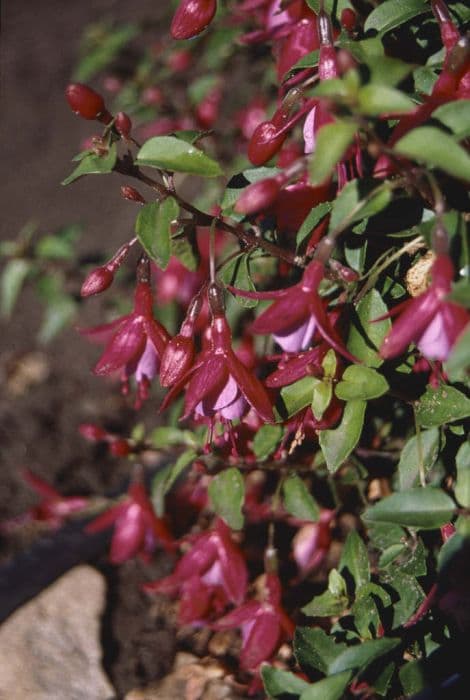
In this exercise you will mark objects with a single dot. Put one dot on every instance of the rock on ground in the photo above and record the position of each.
(50, 648)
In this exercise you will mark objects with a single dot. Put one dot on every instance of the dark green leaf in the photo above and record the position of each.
(237, 273)
(166, 477)
(355, 560)
(360, 656)
(266, 440)
(442, 405)
(393, 13)
(13, 277)
(332, 602)
(412, 677)
(456, 116)
(171, 153)
(421, 508)
(408, 466)
(312, 220)
(153, 229)
(333, 7)
(374, 100)
(458, 363)
(364, 341)
(462, 486)
(315, 649)
(190, 135)
(298, 501)
(338, 444)
(358, 200)
(186, 252)
(332, 141)
(434, 147)
(93, 164)
(409, 595)
(227, 495)
(359, 382)
(385, 535)
(331, 688)
(366, 616)
(278, 683)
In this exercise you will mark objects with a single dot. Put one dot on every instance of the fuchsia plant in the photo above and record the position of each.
(301, 420)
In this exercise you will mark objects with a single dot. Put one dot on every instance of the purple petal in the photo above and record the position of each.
(128, 342)
(157, 334)
(147, 364)
(309, 131)
(410, 326)
(297, 338)
(209, 378)
(236, 409)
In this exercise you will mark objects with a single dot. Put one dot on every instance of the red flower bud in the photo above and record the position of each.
(265, 143)
(192, 17)
(131, 194)
(84, 101)
(123, 124)
(119, 448)
(97, 281)
(348, 19)
(257, 196)
(176, 360)
(92, 432)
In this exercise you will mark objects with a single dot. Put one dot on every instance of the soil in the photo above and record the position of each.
(46, 392)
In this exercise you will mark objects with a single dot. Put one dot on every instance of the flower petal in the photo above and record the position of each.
(262, 641)
(410, 325)
(295, 368)
(128, 342)
(101, 334)
(293, 340)
(210, 377)
(288, 312)
(128, 535)
(251, 388)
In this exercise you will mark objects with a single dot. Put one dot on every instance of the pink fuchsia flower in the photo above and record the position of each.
(208, 577)
(263, 623)
(297, 313)
(53, 509)
(137, 530)
(428, 320)
(192, 17)
(135, 342)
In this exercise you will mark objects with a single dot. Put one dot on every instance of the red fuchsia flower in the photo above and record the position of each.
(137, 530)
(179, 352)
(135, 342)
(311, 544)
(53, 509)
(219, 383)
(264, 625)
(207, 578)
(192, 17)
(428, 320)
(297, 313)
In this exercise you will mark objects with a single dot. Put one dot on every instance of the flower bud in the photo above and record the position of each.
(92, 432)
(192, 17)
(258, 196)
(84, 101)
(348, 19)
(265, 142)
(131, 194)
(97, 281)
(176, 360)
(119, 448)
(123, 124)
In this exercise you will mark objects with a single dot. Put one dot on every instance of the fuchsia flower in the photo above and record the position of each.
(137, 530)
(428, 320)
(218, 382)
(297, 313)
(53, 508)
(264, 624)
(208, 577)
(135, 342)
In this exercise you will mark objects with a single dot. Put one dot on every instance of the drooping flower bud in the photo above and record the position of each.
(132, 194)
(87, 103)
(92, 432)
(192, 17)
(97, 281)
(265, 142)
(348, 19)
(123, 124)
(119, 447)
(259, 195)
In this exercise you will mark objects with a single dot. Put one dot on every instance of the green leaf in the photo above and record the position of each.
(331, 688)
(408, 469)
(456, 116)
(385, 535)
(409, 595)
(167, 436)
(442, 405)
(190, 135)
(333, 601)
(298, 501)
(360, 656)
(312, 220)
(58, 315)
(237, 273)
(186, 252)
(322, 394)
(105, 49)
(171, 153)
(460, 293)
(355, 560)
(332, 141)
(277, 682)
(166, 477)
(13, 277)
(434, 147)
(153, 229)
(366, 616)
(266, 440)
(296, 396)
(359, 199)
(421, 508)
(365, 339)
(227, 495)
(412, 677)
(93, 164)
(375, 99)
(359, 382)
(393, 13)
(338, 444)
(462, 486)
(333, 7)
(315, 649)
(457, 365)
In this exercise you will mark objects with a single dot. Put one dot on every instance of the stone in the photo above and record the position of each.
(50, 648)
